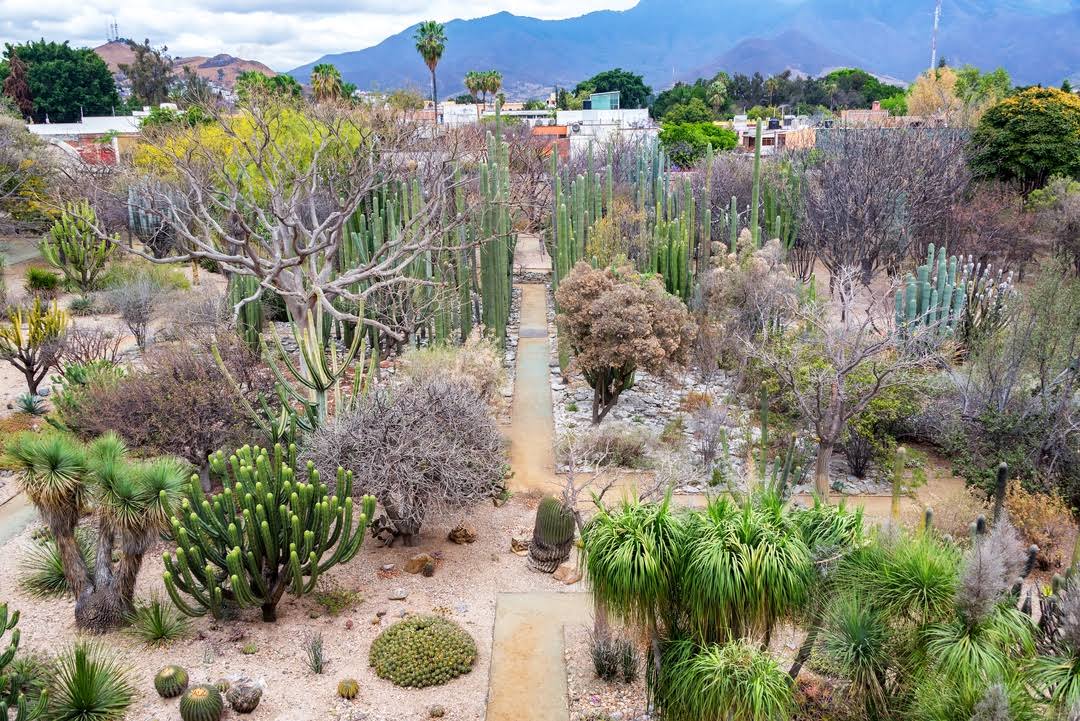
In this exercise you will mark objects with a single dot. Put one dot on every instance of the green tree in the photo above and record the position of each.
(694, 111)
(687, 143)
(252, 82)
(1029, 137)
(679, 94)
(150, 73)
(405, 100)
(17, 86)
(326, 82)
(978, 89)
(430, 41)
(65, 83)
(633, 92)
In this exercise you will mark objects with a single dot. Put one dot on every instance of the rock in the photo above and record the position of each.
(429, 569)
(388, 567)
(44, 391)
(567, 573)
(462, 533)
(520, 546)
(398, 594)
(417, 563)
(436, 712)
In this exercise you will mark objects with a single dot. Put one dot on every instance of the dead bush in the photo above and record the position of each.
(478, 362)
(90, 343)
(618, 445)
(1045, 520)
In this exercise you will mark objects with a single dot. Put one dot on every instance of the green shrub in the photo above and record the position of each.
(157, 622)
(89, 685)
(42, 283)
(423, 651)
(42, 572)
(82, 305)
(131, 270)
(336, 599)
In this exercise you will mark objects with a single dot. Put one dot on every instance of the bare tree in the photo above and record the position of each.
(835, 363)
(878, 195)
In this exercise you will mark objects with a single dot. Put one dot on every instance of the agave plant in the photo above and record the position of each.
(42, 568)
(90, 685)
(156, 622)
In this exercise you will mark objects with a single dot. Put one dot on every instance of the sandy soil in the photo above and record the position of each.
(464, 587)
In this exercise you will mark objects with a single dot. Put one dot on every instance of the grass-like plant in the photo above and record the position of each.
(313, 650)
(42, 568)
(31, 404)
(156, 622)
(90, 685)
(855, 639)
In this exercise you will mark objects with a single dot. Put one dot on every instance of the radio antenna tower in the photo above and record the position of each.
(933, 37)
(114, 31)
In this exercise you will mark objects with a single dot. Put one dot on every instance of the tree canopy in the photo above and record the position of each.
(633, 92)
(686, 143)
(65, 82)
(1029, 137)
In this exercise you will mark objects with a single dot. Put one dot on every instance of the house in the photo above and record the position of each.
(601, 119)
(96, 140)
(556, 138)
(875, 116)
(790, 131)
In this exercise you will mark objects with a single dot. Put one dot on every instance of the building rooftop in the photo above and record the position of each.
(94, 125)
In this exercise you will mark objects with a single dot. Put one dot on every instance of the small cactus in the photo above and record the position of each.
(348, 689)
(928, 519)
(201, 703)
(553, 535)
(1000, 490)
(244, 696)
(249, 649)
(171, 681)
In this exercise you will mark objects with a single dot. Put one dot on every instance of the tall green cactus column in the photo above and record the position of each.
(10, 694)
(266, 533)
(755, 195)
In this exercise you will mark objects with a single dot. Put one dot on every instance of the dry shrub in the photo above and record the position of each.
(620, 445)
(1045, 520)
(478, 363)
(618, 235)
(695, 401)
(954, 514)
(90, 343)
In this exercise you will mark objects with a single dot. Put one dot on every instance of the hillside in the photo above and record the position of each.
(118, 53)
(678, 39)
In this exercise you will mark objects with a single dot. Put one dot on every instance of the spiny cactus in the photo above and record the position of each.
(249, 316)
(755, 193)
(265, 533)
(201, 703)
(73, 247)
(10, 695)
(171, 681)
(348, 689)
(553, 535)
(244, 696)
(1000, 489)
(899, 464)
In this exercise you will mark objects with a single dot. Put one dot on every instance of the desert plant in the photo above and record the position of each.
(244, 696)
(478, 362)
(348, 689)
(157, 623)
(31, 405)
(59, 475)
(237, 547)
(1045, 520)
(336, 598)
(73, 247)
(616, 444)
(12, 695)
(423, 651)
(613, 656)
(42, 568)
(137, 304)
(618, 321)
(89, 685)
(42, 284)
(553, 535)
(89, 344)
(313, 650)
(171, 681)
(448, 451)
(201, 703)
(82, 306)
(33, 341)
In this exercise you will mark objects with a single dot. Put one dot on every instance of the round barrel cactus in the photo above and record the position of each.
(171, 681)
(201, 703)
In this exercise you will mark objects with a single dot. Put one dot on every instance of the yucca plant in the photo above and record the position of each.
(31, 404)
(156, 622)
(90, 685)
(42, 568)
(1056, 673)
(63, 477)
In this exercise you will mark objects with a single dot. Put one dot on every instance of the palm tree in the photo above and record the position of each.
(62, 477)
(492, 82)
(430, 40)
(325, 82)
(474, 83)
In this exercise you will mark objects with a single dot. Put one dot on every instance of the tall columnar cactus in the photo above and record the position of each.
(496, 234)
(553, 535)
(249, 316)
(72, 246)
(755, 194)
(267, 532)
(899, 464)
(10, 695)
(1000, 489)
(733, 226)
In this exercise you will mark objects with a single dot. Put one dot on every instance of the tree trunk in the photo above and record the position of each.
(269, 612)
(75, 571)
(435, 96)
(821, 468)
(806, 648)
(204, 477)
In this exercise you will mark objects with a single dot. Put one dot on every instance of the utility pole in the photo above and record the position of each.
(933, 37)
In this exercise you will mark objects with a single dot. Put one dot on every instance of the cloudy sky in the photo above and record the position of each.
(280, 33)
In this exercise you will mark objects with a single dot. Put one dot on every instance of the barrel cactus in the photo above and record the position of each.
(423, 651)
(348, 689)
(171, 681)
(553, 535)
(201, 703)
(244, 696)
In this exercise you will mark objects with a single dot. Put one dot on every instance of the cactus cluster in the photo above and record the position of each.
(348, 689)
(171, 681)
(244, 696)
(201, 703)
(553, 535)
(267, 532)
(423, 651)
(72, 246)
(10, 695)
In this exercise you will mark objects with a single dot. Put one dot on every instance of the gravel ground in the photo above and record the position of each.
(464, 587)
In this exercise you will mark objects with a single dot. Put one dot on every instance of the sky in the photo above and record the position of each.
(281, 33)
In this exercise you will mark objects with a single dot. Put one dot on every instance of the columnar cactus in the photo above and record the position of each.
(10, 696)
(265, 533)
(72, 246)
(553, 535)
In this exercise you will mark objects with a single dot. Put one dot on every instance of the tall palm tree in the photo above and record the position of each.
(325, 82)
(474, 83)
(492, 82)
(430, 40)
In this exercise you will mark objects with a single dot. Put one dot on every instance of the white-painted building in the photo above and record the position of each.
(585, 127)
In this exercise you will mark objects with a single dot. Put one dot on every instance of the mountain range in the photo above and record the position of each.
(221, 69)
(671, 40)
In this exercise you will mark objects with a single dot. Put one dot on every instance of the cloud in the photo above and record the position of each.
(281, 33)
